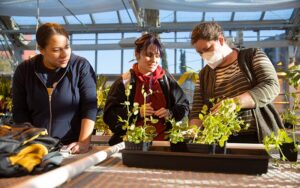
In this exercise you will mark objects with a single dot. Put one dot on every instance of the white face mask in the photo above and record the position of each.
(213, 59)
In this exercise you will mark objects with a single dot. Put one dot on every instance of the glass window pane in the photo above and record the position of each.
(129, 59)
(232, 33)
(217, 16)
(106, 17)
(89, 55)
(193, 60)
(250, 36)
(88, 38)
(278, 14)
(240, 16)
(167, 37)
(183, 36)
(226, 33)
(265, 34)
(56, 19)
(137, 35)
(125, 17)
(84, 18)
(189, 16)
(277, 54)
(166, 16)
(108, 38)
(25, 20)
(109, 62)
(170, 60)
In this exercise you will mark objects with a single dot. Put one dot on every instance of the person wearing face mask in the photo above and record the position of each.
(56, 90)
(246, 75)
(166, 101)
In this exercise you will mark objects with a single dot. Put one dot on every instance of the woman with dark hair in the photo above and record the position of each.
(167, 98)
(56, 90)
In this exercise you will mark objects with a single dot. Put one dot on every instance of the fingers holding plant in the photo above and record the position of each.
(162, 113)
(146, 110)
(216, 108)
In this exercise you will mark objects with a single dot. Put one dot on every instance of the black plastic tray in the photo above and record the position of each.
(241, 161)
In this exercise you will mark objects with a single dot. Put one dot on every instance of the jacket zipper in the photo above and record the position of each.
(49, 100)
(50, 112)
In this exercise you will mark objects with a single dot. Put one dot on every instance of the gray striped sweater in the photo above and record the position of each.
(231, 82)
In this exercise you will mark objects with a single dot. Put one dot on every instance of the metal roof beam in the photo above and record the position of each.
(137, 12)
(172, 45)
(164, 27)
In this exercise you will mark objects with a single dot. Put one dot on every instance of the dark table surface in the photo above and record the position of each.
(113, 173)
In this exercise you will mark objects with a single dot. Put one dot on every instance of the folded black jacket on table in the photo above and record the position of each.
(25, 149)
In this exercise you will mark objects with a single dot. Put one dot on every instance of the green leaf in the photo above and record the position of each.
(201, 116)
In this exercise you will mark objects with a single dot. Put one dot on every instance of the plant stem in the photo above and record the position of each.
(144, 111)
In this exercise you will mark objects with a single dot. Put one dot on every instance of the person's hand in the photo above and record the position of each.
(196, 122)
(162, 113)
(216, 107)
(146, 109)
(78, 147)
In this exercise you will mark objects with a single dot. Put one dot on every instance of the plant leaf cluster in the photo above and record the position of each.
(293, 76)
(102, 94)
(5, 95)
(137, 134)
(291, 114)
(217, 127)
(276, 141)
(181, 130)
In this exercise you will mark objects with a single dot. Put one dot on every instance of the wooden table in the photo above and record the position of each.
(112, 173)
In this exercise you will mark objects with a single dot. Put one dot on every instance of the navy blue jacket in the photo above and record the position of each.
(73, 99)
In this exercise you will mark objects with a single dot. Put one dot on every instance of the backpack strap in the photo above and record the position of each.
(165, 83)
(133, 84)
(166, 80)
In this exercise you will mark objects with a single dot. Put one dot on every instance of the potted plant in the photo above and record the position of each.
(137, 137)
(5, 99)
(217, 127)
(282, 143)
(215, 131)
(290, 116)
(181, 134)
(102, 92)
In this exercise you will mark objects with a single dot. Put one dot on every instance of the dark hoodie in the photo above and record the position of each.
(73, 98)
